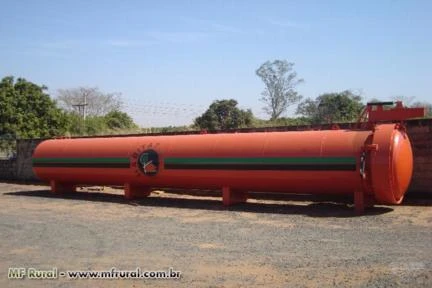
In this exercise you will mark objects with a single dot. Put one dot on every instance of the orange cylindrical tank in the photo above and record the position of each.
(371, 164)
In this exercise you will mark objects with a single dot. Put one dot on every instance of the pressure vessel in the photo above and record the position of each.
(374, 164)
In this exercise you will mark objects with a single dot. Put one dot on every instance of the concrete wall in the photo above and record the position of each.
(8, 169)
(420, 133)
(25, 149)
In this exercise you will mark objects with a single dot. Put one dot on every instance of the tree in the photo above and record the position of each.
(332, 107)
(97, 103)
(282, 121)
(280, 81)
(224, 114)
(116, 120)
(27, 111)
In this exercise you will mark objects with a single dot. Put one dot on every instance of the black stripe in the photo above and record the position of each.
(83, 165)
(295, 167)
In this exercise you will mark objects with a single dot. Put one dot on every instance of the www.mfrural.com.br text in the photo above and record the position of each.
(113, 273)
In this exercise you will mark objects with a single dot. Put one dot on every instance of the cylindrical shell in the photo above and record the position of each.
(292, 162)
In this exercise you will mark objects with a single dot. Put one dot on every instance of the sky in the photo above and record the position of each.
(171, 59)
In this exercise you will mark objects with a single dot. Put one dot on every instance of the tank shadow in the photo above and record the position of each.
(418, 199)
(318, 208)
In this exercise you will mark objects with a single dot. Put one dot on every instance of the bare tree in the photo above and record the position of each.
(89, 101)
(280, 81)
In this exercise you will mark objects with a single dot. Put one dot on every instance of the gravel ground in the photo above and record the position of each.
(289, 242)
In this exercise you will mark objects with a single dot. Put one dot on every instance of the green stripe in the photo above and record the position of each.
(266, 160)
(82, 160)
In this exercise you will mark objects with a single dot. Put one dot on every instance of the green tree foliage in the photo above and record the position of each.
(280, 81)
(115, 122)
(282, 121)
(224, 114)
(27, 111)
(332, 107)
(119, 120)
(92, 125)
(168, 129)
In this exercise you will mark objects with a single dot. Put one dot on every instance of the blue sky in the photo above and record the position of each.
(171, 59)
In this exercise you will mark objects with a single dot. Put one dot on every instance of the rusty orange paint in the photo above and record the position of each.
(369, 164)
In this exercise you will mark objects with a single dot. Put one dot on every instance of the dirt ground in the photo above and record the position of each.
(290, 241)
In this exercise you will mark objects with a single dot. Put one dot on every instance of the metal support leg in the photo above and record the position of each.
(60, 188)
(135, 192)
(230, 197)
(359, 202)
